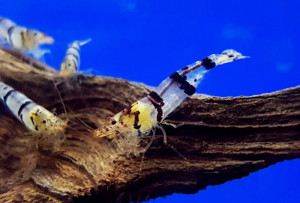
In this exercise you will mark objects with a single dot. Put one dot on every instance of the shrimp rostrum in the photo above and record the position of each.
(149, 112)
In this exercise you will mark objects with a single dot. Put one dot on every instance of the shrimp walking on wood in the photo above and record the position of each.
(148, 113)
(23, 39)
(71, 61)
(36, 118)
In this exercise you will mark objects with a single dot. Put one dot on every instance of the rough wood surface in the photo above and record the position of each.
(221, 139)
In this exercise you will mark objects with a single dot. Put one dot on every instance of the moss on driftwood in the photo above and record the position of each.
(222, 139)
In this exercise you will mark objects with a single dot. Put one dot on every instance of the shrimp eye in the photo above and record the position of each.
(35, 34)
(69, 64)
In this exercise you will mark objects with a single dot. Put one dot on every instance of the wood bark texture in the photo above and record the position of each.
(217, 140)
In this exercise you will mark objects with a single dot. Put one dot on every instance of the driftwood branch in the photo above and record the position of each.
(220, 138)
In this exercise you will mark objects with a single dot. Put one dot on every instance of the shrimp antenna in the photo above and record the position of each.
(61, 100)
(89, 128)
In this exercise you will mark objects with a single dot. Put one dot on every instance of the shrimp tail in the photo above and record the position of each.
(81, 43)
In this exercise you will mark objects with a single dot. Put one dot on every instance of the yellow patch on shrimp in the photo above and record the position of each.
(139, 119)
(146, 119)
(45, 122)
(67, 68)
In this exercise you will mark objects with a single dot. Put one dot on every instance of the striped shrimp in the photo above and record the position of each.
(36, 118)
(71, 61)
(22, 38)
(148, 113)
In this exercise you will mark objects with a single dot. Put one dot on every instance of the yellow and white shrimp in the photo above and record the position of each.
(22, 38)
(36, 118)
(71, 61)
(148, 113)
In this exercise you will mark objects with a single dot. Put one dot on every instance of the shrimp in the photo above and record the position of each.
(149, 112)
(36, 118)
(23, 39)
(71, 61)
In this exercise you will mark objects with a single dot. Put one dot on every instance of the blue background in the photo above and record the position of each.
(145, 41)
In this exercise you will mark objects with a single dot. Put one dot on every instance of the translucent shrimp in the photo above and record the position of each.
(36, 118)
(23, 39)
(71, 61)
(183, 83)
(146, 114)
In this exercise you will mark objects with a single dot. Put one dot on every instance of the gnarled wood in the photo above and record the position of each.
(221, 139)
